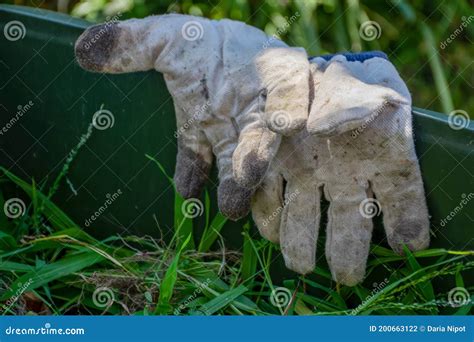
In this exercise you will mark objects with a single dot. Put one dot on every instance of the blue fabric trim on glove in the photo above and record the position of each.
(356, 56)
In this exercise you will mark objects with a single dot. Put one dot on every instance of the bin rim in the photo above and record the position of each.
(47, 15)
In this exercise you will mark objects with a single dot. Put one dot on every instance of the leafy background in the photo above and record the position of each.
(412, 33)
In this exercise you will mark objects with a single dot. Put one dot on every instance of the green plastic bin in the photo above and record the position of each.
(40, 67)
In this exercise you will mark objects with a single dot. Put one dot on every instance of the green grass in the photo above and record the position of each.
(49, 265)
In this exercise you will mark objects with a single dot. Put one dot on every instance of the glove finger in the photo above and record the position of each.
(163, 42)
(349, 94)
(348, 233)
(285, 75)
(233, 199)
(267, 206)
(256, 149)
(191, 173)
(120, 46)
(194, 159)
(396, 180)
(300, 225)
(402, 199)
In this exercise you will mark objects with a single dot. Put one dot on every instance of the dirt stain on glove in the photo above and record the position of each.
(233, 200)
(254, 169)
(191, 173)
(95, 46)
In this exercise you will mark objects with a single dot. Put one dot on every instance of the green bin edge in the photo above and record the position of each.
(47, 49)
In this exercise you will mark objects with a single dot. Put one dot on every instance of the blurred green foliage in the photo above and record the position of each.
(415, 34)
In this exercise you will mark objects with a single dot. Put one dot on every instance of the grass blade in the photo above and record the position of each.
(56, 216)
(53, 271)
(212, 232)
(437, 69)
(221, 301)
(426, 288)
(168, 283)
(249, 259)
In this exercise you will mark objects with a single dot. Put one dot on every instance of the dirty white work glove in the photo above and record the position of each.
(359, 153)
(209, 68)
